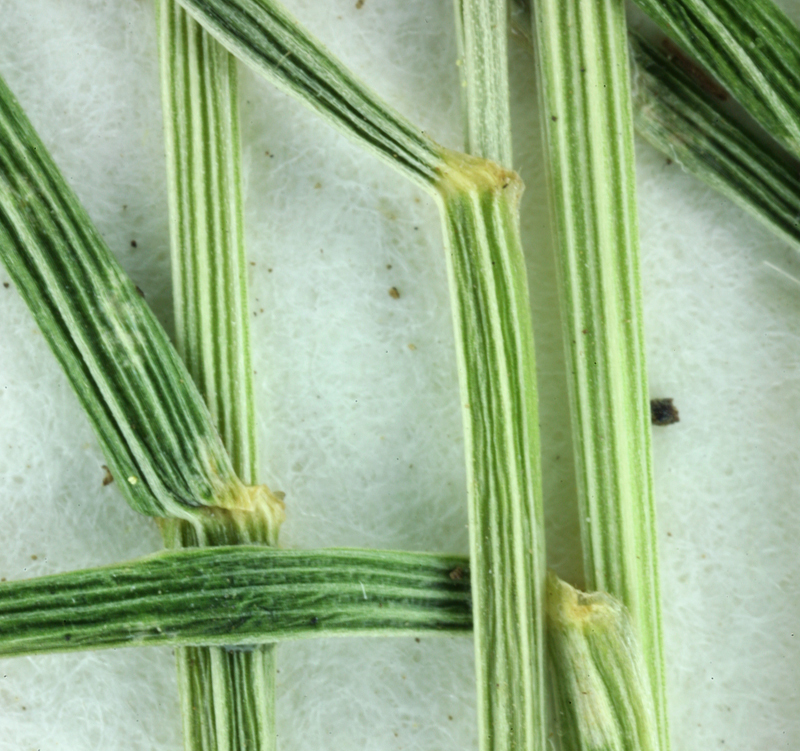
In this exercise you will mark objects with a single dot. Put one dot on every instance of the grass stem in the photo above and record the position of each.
(494, 336)
(227, 697)
(588, 125)
(479, 204)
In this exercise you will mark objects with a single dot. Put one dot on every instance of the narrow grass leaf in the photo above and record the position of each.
(237, 595)
(676, 116)
(751, 48)
(152, 424)
(264, 36)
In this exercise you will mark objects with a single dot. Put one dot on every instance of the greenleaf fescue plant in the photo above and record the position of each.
(494, 342)
(325, 331)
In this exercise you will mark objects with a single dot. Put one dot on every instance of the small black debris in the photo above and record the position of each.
(663, 412)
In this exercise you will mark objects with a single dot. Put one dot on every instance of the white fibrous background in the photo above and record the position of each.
(358, 400)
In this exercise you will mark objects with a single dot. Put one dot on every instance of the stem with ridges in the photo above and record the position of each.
(237, 594)
(586, 109)
(227, 697)
(494, 336)
(479, 204)
(264, 36)
(483, 64)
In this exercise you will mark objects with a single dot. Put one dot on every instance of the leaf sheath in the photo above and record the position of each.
(494, 340)
(601, 688)
(494, 344)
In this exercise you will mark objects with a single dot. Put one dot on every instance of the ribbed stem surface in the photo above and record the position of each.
(588, 123)
(483, 64)
(227, 698)
(494, 337)
(236, 595)
(494, 343)
(209, 267)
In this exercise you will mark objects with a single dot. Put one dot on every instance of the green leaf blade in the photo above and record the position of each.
(677, 117)
(236, 595)
(151, 423)
(751, 48)
(269, 40)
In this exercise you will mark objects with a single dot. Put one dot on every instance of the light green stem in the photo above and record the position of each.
(236, 595)
(494, 343)
(483, 63)
(494, 335)
(479, 203)
(586, 109)
(200, 102)
(227, 697)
